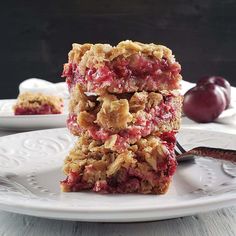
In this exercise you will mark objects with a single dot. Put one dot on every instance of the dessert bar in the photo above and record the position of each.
(144, 167)
(120, 119)
(37, 104)
(127, 67)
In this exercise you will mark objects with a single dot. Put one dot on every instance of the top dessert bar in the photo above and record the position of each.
(127, 67)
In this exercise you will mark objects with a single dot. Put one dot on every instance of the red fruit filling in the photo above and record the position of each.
(72, 124)
(42, 110)
(131, 74)
(169, 139)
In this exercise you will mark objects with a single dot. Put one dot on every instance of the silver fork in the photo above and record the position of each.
(216, 153)
(180, 157)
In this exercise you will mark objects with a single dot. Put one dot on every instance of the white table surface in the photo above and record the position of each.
(217, 223)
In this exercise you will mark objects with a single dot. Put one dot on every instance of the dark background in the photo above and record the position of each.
(37, 35)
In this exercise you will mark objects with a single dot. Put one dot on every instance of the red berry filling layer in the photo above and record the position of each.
(134, 73)
(42, 110)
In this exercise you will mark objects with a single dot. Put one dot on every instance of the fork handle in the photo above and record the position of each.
(216, 153)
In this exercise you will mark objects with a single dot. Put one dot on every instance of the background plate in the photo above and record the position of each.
(30, 171)
(8, 121)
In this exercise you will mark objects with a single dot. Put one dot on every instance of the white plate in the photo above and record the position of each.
(8, 121)
(30, 170)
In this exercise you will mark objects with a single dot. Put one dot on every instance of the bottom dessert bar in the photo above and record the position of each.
(37, 104)
(145, 167)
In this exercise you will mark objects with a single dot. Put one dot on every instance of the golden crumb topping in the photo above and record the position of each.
(95, 55)
(114, 113)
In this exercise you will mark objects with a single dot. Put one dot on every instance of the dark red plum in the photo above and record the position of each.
(204, 103)
(220, 81)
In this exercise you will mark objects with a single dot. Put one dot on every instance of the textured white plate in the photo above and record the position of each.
(8, 121)
(30, 170)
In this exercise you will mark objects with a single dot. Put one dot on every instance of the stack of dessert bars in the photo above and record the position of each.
(125, 108)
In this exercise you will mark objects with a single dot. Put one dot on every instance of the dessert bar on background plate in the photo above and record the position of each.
(8, 121)
(38, 104)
